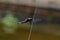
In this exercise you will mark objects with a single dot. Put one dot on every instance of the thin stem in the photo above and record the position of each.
(32, 25)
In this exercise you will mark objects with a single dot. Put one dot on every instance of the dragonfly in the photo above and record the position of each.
(26, 21)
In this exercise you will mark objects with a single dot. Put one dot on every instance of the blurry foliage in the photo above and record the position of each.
(10, 23)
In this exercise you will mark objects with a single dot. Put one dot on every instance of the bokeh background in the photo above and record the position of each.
(46, 24)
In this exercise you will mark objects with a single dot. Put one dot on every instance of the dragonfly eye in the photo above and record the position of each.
(29, 18)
